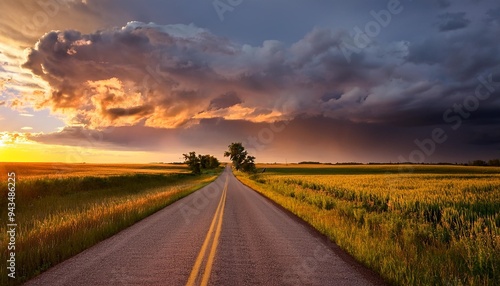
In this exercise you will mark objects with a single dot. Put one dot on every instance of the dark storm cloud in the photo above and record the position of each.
(493, 16)
(338, 140)
(461, 56)
(133, 111)
(487, 137)
(444, 3)
(224, 101)
(452, 21)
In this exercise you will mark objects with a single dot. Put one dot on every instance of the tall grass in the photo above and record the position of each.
(434, 226)
(59, 217)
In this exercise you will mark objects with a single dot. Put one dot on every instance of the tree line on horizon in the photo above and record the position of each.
(483, 163)
(197, 163)
(236, 152)
(242, 161)
(492, 163)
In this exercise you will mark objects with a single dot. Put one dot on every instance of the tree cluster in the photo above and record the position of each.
(495, 163)
(197, 163)
(240, 158)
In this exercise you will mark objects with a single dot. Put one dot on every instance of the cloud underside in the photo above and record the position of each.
(167, 76)
(295, 140)
(453, 21)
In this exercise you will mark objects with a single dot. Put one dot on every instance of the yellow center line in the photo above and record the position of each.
(219, 213)
(208, 266)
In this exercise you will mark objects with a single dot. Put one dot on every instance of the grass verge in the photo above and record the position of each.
(58, 218)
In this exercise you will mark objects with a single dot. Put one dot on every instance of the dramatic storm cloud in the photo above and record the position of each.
(164, 75)
(169, 75)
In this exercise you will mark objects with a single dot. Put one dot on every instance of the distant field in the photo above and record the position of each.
(324, 169)
(62, 209)
(62, 170)
(414, 224)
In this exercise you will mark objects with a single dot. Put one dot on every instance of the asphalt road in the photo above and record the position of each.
(223, 234)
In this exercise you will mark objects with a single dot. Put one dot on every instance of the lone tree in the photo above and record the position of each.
(240, 158)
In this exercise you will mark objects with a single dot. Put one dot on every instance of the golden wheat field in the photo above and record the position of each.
(415, 225)
(61, 170)
(62, 209)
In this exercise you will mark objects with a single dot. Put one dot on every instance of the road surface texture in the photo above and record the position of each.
(223, 234)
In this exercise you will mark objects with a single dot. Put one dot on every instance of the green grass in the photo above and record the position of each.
(60, 217)
(415, 225)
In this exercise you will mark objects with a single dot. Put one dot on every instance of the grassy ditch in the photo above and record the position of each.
(62, 216)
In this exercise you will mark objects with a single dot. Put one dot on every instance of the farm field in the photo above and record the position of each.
(63, 170)
(415, 224)
(62, 209)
